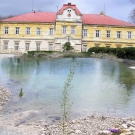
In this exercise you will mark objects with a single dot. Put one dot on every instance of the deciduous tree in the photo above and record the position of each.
(132, 13)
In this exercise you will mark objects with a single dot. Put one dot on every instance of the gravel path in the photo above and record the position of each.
(4, 96)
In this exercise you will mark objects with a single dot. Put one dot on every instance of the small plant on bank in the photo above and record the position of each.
(21, 93)
(65, 103)
(67, 47)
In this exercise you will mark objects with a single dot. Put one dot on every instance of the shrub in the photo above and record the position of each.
(125, 53)
(67, 47)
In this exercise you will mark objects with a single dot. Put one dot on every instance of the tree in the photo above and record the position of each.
(132, 13)
(67, 47)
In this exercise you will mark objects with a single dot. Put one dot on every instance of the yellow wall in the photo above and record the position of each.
(113, 41)
(78, 29)
(89, 41)
(44, 30)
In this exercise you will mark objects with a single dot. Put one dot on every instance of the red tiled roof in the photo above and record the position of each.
(69, 5)
(97, 19)
(47, 17)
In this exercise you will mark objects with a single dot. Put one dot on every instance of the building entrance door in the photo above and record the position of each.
(84, 49)
(50, 47)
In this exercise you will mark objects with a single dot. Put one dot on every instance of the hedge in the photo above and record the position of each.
(125, 53)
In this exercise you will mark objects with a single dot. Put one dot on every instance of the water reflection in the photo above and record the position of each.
(127, 78)
(99, 85)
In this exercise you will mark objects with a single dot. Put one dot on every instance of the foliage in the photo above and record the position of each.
(65, 104)
(125, 53)
(21, 93)
(132, 13)
(67, 47)
(39, 52)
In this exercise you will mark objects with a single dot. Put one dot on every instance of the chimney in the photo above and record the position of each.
(102, 13)
(69, 3)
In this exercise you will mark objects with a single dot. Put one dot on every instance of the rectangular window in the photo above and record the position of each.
(118, 45)
(97, 33)
(51, 31)
(28, 30)
(72, 30)
(108, 46)
(118, 34)
(64, 30)
(5, 47)
(16, 46)
(129, 45)
(38, 31)
(38, 46)
(6, 30)
(108, 33)
(129, 34)
(85, 33)
(97, 45)
(17, 30)
(27, 46)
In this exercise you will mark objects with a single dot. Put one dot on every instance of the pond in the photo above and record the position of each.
(100, 86)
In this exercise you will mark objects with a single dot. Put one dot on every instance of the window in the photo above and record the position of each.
(28, 30)
(97, 45)
(118, 45)
(108, 34)
(38, 46)
(17, 30)
(27, 46)
(72, 30)
(97, 33)
(64, 30)
(38, 31)
(5, 47)
(85, 33)
(129, 34)
(51, 31)
(129, 45)
(118, 34)
(16, 46)
(108, 46)
(6, 30)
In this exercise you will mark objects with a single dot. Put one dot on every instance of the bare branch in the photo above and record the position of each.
(132, 1)
(132, 16)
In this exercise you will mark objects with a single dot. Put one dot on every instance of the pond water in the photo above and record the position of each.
(100, 86)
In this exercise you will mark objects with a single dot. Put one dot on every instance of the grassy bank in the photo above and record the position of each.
(53, 54)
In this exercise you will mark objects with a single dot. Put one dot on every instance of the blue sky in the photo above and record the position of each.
(119, 9)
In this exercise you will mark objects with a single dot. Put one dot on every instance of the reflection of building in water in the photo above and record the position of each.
(49, 31)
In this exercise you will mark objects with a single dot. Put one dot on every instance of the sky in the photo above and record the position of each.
(119, 9)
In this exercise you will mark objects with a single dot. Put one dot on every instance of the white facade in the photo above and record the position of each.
(69, 14)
